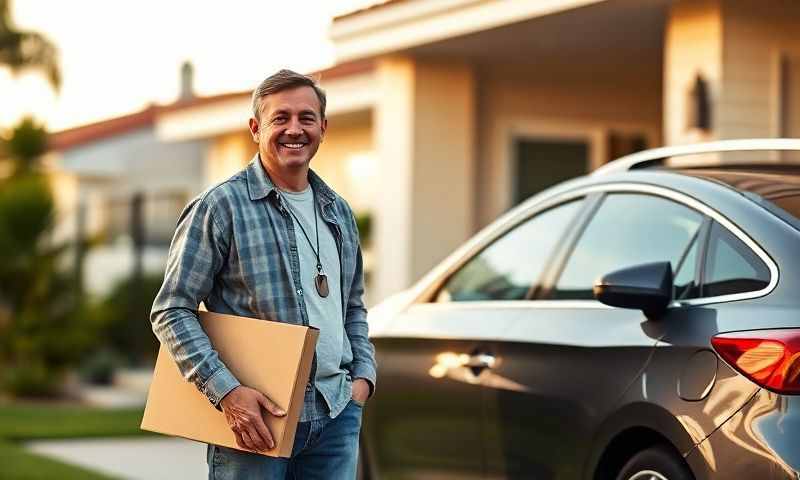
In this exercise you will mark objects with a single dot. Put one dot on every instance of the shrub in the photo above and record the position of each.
(124, 314)
(44, 324)
(44, 328)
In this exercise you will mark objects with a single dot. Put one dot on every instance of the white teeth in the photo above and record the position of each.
(293, 145)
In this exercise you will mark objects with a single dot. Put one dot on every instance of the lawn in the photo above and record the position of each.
(22, 422)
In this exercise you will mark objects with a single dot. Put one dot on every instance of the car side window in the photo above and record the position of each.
(685, 285)
(630, 229)
(512, 264)
(731, 266)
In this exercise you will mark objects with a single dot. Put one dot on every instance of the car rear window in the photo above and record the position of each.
(777, 189)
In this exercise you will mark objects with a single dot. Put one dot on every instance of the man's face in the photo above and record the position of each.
(289, 128)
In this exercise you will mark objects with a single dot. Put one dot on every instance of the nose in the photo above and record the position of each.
(294, 128)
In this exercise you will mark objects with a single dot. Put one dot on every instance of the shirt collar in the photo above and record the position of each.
(260, 185)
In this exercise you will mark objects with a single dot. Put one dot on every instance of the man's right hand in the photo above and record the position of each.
(242, 408)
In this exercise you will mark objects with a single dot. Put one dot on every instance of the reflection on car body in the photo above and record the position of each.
(502, 363)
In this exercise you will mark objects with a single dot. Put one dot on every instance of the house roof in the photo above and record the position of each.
(369, 8)
(73, 137)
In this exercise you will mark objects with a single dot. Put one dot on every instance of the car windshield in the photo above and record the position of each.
(777, 189)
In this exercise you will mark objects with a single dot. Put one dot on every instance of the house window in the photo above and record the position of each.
(160, 211)
(543, 163)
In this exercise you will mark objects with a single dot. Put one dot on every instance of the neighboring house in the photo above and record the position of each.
(445, 113)
(168, 154)
(100, 169)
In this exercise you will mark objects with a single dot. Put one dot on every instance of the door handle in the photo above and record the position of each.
(481, 361)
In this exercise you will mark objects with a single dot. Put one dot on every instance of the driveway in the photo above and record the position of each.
(135, 459)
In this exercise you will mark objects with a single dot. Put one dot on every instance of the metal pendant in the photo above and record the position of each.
(321, 282)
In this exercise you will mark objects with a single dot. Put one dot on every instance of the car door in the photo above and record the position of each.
(566, 360)
(434, 360)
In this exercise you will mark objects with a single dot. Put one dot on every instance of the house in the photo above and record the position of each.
(149, 164)
(445, 113)
(106, 175)
(483, 102)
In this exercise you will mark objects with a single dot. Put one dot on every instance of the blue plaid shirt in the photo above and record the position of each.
(235, 250)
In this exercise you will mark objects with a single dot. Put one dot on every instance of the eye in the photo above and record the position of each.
(279, 119)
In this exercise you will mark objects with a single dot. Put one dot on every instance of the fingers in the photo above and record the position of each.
(248, 441)
(264, 434)
(247, 430)
(240, 440)
(270, 406)
(250, 426)
(243, 414)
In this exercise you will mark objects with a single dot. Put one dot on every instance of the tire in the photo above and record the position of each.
(659, 462)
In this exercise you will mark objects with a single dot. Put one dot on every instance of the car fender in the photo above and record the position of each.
(636, 419)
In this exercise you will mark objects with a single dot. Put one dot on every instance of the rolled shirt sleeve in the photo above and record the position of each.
(197, 253)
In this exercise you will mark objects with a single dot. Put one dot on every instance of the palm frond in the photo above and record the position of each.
(22, 50)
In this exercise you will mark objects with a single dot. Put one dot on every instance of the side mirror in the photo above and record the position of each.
(646, 287)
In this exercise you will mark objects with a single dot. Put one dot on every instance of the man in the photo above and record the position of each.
(275, 242)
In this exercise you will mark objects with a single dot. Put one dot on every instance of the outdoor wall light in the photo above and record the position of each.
(699, 105)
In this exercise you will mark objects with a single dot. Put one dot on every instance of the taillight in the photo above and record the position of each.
(770, 358)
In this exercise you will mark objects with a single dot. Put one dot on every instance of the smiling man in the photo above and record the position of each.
(275, 242)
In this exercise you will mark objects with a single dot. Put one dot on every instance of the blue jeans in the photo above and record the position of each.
(325, 449)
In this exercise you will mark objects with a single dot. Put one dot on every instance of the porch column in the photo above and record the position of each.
(748, 52)
(424, 137)
(692, 49)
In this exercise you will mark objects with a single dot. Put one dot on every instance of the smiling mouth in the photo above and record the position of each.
(293, 146)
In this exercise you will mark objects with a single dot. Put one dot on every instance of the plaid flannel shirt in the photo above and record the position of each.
(235, 250)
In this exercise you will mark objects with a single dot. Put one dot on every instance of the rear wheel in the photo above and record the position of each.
(656, 463)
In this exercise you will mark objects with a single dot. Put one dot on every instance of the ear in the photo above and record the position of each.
(253, 124)
(323, 128)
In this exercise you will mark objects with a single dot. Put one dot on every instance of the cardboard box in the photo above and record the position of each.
(272, 357)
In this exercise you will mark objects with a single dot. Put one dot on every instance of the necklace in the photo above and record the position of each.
(321, 280)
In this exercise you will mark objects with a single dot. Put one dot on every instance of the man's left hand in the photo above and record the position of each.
(360, 390)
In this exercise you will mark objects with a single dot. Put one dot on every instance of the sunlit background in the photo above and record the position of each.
(118, 57)
(443, 115)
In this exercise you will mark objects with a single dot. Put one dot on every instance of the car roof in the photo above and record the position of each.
(768, 183)
(670, 155)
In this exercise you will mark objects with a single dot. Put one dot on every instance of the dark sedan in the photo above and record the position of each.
(639, 323)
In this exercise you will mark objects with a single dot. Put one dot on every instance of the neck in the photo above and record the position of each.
(291, 181)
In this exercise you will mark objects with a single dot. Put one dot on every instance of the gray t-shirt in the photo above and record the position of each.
(324, 313)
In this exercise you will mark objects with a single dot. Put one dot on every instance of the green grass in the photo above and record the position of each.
(35, 422)
(24, 422)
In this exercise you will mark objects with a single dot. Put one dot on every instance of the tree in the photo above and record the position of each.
(44, 326)
(21, 50)
(26, 143)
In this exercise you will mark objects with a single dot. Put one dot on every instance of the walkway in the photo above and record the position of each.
(134, 459)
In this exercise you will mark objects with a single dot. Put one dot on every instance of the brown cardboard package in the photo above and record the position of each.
(272, 357)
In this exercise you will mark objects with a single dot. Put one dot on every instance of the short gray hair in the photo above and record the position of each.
(284, 80)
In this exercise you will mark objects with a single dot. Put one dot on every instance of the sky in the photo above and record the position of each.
(118, 57)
